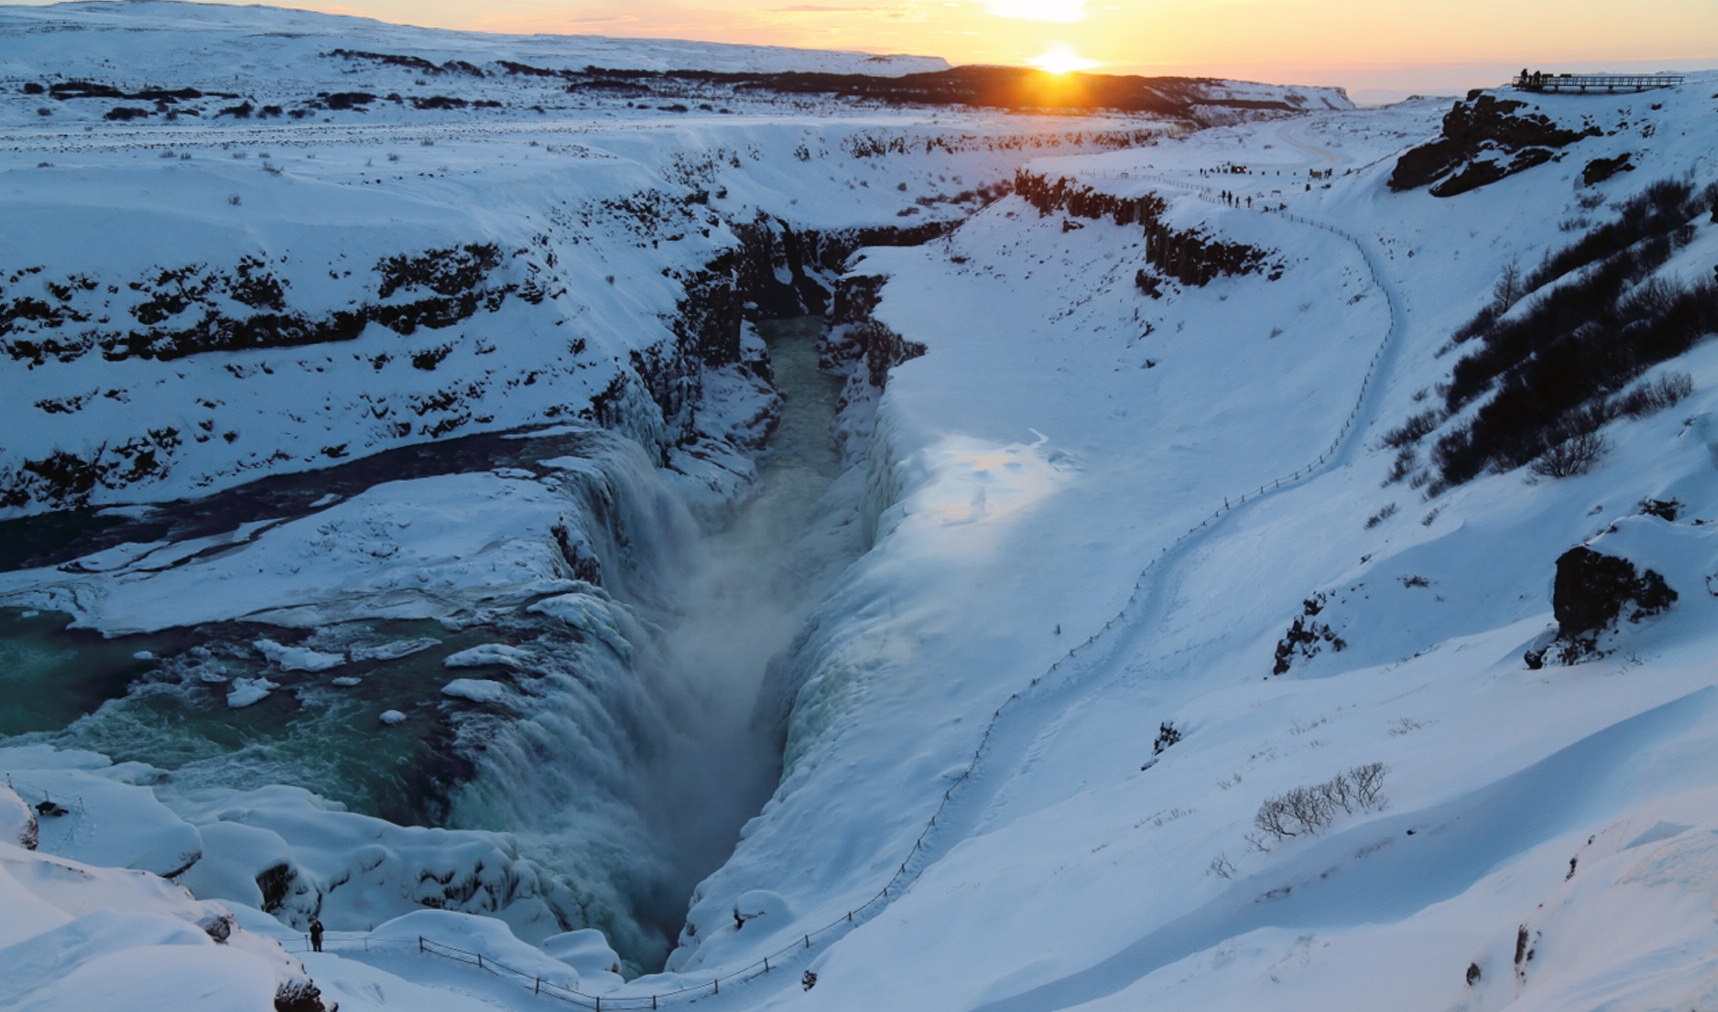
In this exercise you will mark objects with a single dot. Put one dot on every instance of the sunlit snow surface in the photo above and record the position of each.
(1062, 435)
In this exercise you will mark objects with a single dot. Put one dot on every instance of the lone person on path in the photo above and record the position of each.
(315, 935)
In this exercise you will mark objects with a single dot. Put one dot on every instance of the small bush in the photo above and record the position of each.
(1664, 509)
(1573, 456)
(1414, 429)
(1307, 811)
(429, 358)
(1555, 366)
(1656, 395)
(1403, 466)
(1382, 515)
(1507, 290)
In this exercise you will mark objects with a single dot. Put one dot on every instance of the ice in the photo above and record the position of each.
(298, 658)
(477, 690)
(249, 692)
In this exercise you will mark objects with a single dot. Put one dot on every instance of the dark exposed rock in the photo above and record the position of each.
(861, 336)
(1600, 169)
(301, 996)
(883, 348)
(1305, 637)
(188, 310)
(1485, 171)
(856, 296)
(1189, 256)
(709, 315)
(987, 86)
(1592, 590)
(813, 260)
(415, 64)
(1484, 139)
(218, 927)
(276, 882)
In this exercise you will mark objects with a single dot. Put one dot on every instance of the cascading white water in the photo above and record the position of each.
(634, 769)
(746, 598)
(617, 748)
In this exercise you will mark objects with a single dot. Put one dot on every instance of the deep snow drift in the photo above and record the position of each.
(1143, 559)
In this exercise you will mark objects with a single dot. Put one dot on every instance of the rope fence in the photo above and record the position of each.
(47, 796)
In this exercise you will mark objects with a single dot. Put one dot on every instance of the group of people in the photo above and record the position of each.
(1234, 199)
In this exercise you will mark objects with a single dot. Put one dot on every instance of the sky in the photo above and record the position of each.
(1372, 47)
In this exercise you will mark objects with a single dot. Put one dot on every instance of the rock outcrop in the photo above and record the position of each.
(1484, 139)
(1593, 590)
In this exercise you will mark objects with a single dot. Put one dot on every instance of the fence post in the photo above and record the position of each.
(420, 943)
(766, 964)
(808, 941)
(480, 960)
(717, 984)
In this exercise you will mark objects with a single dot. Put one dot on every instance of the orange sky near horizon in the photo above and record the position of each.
(1340, 42)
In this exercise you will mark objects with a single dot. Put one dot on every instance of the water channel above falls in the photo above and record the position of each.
(661, 736)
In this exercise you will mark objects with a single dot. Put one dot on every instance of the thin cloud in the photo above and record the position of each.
(1058, 11)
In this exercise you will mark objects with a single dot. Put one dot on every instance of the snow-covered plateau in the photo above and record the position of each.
(627, 524)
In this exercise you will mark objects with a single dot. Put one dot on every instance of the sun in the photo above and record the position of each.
(1060, 59)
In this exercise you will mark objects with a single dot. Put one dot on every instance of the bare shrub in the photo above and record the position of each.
(1414, 429)
(1306, 811)
(1656, 395)
(1507, 289)
(1573, 456)
(1404, 464)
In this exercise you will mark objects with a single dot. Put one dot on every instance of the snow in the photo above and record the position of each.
(1088, 513)
(298, 658)
(108, 820)
(477, 690)
(17, 820)
(1500, 774)
(249, 691)
(84, 936)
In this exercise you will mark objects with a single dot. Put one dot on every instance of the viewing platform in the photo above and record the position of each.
(1583, 82)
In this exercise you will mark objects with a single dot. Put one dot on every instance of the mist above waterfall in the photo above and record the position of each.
(748, 587)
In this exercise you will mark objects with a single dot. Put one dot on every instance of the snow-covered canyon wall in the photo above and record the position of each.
(297, 251)
(1149, 572)
(360, 274)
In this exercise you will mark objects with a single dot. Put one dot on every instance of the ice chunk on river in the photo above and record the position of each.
(478, 690)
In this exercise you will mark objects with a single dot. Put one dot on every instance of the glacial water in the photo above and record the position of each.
(628, 771)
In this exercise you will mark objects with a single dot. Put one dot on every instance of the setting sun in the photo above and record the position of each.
(1062, 60)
